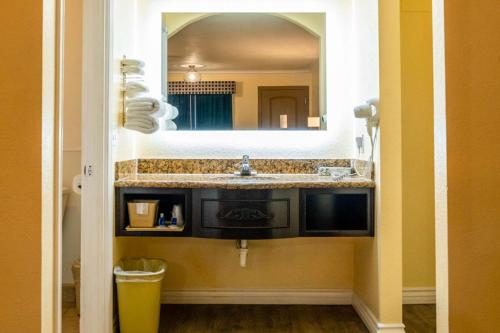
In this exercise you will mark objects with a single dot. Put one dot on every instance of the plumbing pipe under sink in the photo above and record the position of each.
(242, 245)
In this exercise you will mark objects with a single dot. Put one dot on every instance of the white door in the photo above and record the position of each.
(97, 222)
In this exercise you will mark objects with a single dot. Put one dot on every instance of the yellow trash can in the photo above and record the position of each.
(139, 286)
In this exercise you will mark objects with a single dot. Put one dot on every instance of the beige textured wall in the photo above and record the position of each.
(418, 142)
(473, 142)
(246, 99)
(20, 180)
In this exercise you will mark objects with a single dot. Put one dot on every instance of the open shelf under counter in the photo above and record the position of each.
(167, 199)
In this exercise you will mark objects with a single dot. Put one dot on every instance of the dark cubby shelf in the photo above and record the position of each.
(337, 212)
(167, 198)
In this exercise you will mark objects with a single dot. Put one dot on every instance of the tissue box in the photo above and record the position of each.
(142, 213)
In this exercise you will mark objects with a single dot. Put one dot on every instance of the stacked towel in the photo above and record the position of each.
(143, 124)
(169, 125)
(133, 62)
(132, 66)
(141, 113)
(171, 112)
(145, 106)
(133, 70)
(148, 114)
(135, 89)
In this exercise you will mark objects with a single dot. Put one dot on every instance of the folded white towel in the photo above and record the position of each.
(134, 70)
(169, 125)
(171, 112)
(135, 89)
(133, 62)
(145, 105)
(143, 124)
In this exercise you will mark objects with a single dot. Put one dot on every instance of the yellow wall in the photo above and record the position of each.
(193, 263)
(472, 38)
(418, 141)
(378, 261)
(72, 75)
(246, 99)
(416, 182)
(20, 151)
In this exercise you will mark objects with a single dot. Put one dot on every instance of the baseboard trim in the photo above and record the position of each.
(371, 322)
(419, 295)
(258, 296)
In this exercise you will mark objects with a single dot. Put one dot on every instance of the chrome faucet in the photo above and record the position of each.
(245, 169)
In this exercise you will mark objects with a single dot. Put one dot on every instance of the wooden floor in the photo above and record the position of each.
(70, 319)
(419, 318)
(270, 319)
(260, 318)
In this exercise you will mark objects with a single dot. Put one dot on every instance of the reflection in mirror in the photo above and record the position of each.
(245, 71)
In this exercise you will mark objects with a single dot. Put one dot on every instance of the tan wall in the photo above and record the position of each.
(20, 151)
(418, 142)
(472, 37)
(246, 99)
(193, 263)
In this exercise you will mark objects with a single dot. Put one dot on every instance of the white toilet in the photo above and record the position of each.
(66, 191)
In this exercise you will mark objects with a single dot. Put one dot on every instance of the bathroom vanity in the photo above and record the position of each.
(264, 206)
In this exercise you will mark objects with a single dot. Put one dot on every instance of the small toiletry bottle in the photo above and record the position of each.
(161, 220)
(173, 221)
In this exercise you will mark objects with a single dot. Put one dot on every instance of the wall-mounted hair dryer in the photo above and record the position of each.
(369, 111)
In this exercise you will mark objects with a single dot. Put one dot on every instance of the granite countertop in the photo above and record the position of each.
(228, 181)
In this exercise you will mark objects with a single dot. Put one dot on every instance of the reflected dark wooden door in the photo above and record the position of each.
(292, 101)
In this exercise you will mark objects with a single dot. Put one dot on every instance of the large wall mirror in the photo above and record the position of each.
(245, 71)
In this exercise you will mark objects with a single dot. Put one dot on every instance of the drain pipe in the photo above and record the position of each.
(242, 245)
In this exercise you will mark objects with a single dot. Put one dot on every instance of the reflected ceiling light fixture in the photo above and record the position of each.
(192, 75)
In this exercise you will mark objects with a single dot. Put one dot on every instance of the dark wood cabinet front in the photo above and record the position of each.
(245, 214)
(255, 214)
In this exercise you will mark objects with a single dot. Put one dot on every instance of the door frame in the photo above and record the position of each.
(259, 97)
(440, 167)
(96, 304)
(97, 235)
(51, 183)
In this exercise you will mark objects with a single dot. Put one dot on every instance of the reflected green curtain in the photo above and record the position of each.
(183, 104)
(213, 112)
(203, 112)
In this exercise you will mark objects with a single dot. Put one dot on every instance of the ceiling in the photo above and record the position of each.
(243, 42)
